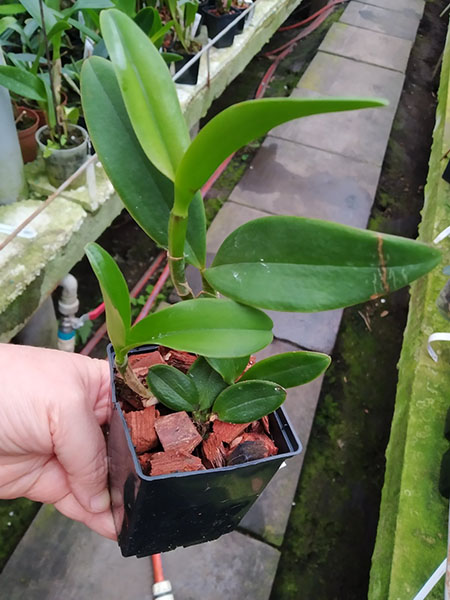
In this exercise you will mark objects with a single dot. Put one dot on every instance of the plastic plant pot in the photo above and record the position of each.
(63, 163)
(189, 77)
(216, 23)
(161, 513)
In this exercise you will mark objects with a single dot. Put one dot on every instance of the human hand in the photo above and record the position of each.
(52, 406)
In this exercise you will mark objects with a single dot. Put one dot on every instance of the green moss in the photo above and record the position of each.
(15, 517)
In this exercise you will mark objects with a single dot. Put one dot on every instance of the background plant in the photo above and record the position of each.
(277, 263)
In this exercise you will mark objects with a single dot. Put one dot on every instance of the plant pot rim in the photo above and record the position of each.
(44, 127)
(280, 415)
(32, 113)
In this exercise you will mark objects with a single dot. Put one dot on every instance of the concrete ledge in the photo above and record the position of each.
(412, 532)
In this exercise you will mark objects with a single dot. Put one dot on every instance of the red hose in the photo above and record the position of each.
(158, 574)
(155, 291)
(311, 17)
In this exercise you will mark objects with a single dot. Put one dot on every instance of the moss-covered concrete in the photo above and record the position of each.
(412, 532)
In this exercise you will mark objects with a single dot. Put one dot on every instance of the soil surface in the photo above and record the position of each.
(331, 533)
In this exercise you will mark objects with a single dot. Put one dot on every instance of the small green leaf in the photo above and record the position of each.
(32, 6)
(148, 92)
(289, 369)
(307, 265)
(238, 125)
(173, 388)
(12, 9)
(248, 401)
(229, 368)
(23, 83)
(208, 382)
(115, 295)
(206, 326)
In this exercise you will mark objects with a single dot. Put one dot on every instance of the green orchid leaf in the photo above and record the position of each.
(88, 5)
(22, 83)
(126, 6)
(208, 382)
(238, 125)
(145, 192)
(12, 9)
(289, 369)
(148, 19)
(115, 296)
(206, 326)
(33, 8)
(144, 80)
(248, 401)
(229, 368)
(170, 57)
(84, 29)
(307, 265)
(173, 388)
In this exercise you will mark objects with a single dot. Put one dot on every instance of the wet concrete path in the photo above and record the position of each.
(326, 166)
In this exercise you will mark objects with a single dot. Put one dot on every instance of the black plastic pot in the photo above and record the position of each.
(216, 23)
(189, 77)
(157, 514)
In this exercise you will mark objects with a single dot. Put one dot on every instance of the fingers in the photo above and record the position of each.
(101, 523)
(80, 447)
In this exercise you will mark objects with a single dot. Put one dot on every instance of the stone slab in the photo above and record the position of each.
(269, 516)
(61, 559)
(311, 331)
(361, 135)
(293, 179)
(411, 6)
(367, 46)
(234, 566)
(333, 75)
(398, 23)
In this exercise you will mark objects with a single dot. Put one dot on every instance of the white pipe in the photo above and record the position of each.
(12, 179)
(68, 306)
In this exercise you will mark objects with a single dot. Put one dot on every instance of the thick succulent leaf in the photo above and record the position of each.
(115, 296)
(248, 401)
(229, 368)
(173, 388)
(206, 326)
(23, 83)
(145, 192)
(306, 265)
(148, 92)
(289, 369)
(240, 124)
(208, 382)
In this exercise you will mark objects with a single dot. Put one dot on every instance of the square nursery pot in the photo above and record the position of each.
(158, 514)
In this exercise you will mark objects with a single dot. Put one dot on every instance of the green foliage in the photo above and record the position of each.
(279, 263)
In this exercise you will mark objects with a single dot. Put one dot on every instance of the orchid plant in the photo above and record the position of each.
(280, 263)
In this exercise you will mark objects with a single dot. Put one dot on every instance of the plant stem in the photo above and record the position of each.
(50, 67)
(177, 236)
(145, 397)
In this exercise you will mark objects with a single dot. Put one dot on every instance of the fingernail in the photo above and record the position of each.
(100, 502)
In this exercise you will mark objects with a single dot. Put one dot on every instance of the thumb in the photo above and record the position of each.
(81, 450)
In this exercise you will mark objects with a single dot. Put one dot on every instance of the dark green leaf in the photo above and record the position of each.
(306, 265)
(115, 295)
(147, 18)
(248, 401)
(217, 328)
(238, 125)
(289, 369)
(22, 83)
(229, 368)
(148, 91)
(146, 193)
(126, 6)
(208, 382)
(173, 388)
(12, 9)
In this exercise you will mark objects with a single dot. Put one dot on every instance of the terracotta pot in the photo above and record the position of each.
(159, 513)
(27, 139)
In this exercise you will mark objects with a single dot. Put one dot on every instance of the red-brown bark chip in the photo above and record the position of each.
(177, 433)
(227, 432)
(140, 363)
(182, 361)
(269, 445)
(144, 461)
(174, 462)
(213, 452)
(141, 424)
